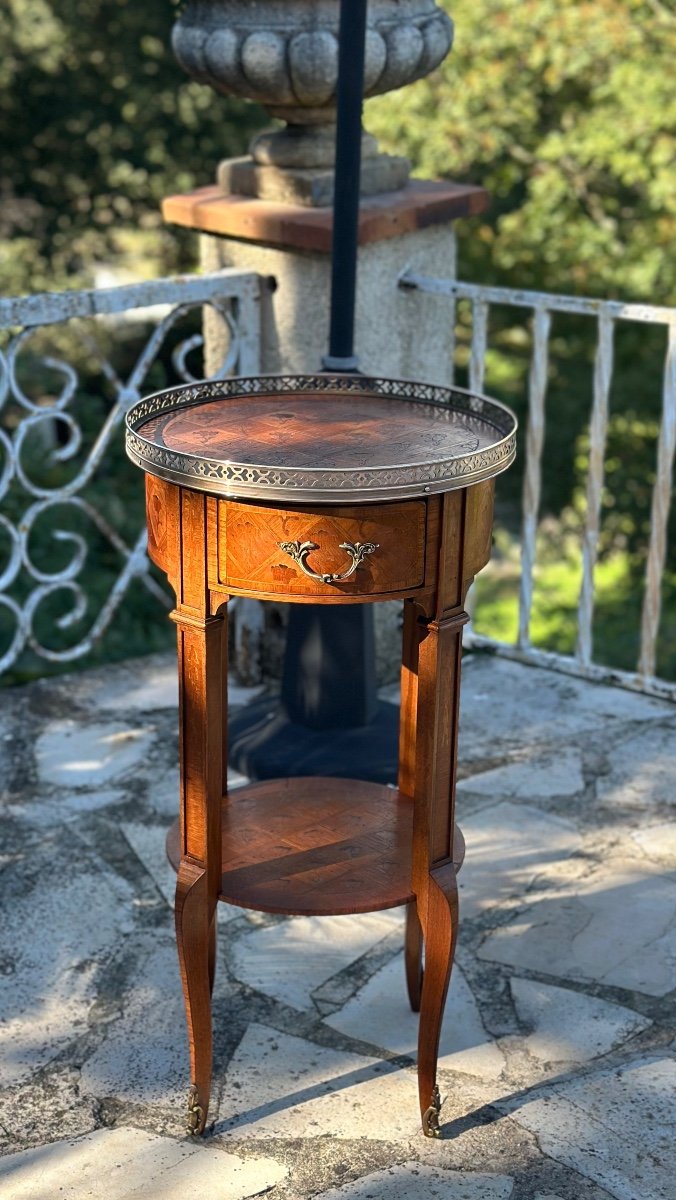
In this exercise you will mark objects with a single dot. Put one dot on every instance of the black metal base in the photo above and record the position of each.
(265, 744)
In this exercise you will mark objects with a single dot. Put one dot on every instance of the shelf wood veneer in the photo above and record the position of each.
(312, 847)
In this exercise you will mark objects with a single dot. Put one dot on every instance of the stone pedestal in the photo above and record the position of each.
(309, 186)
(284, 54)
(397, 334)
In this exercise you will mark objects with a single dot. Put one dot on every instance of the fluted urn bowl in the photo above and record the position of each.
(284, 53)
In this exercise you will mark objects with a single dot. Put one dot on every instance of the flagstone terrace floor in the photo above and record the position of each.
(558, 1058)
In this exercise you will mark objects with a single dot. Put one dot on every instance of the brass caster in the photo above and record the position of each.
(196, 1114)
(430, 1117)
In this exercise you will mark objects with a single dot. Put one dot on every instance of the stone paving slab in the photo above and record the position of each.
(48, 1104)
(512, 846)
(570, 1027)
(544, 707)
(73, 755)
(282, 1086)
(411, 1181)
(658, 842)
(555, 773)
(618, 1128)
(566, 1028)
(380, 1014)
(640, 775)
(69, 804)
(616, 925)
(143, 686)
(129, 1164)
(49, 955)
(557, 1019)
(292, 959)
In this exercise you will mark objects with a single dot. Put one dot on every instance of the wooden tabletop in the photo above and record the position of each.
(320, 438)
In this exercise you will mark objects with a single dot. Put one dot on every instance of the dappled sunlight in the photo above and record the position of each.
(72, 752)
(52, 952)
(120, 1163)
(556, 594)
(561, 971)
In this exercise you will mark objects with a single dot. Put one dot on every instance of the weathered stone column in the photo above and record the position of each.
(270, 213)
(397, 334)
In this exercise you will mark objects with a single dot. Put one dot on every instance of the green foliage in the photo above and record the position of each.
(97, 124)
(565, 110)
(556, 592)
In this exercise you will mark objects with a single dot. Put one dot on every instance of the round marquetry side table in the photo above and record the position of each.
(329, 489)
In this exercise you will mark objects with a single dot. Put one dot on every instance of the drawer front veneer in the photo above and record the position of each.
(378, 549)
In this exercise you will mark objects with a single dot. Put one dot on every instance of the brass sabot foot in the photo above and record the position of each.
(196, 1114)
(430, 1118)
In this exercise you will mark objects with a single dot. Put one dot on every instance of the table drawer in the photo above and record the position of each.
(330, 551)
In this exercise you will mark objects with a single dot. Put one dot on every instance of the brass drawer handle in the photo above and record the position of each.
(300, 550)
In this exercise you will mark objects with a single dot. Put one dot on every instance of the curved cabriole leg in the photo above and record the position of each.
(212, 953)
(413, 952)
(194, 920)
(438, 914)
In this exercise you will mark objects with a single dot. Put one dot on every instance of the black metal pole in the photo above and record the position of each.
(345, 239)
(329, 668)
(329, 721)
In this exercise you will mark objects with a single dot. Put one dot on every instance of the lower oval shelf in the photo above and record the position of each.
(313, 846)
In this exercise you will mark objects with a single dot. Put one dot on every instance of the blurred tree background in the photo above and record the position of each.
(97, 124)
(564, 110)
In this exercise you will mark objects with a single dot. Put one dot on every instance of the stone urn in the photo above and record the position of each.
(284, 54)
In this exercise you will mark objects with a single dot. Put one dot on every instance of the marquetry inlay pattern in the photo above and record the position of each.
(320, 437)
(251, 557)
(281, 840)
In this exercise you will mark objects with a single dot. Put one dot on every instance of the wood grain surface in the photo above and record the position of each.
(315, 846)
(319, 431)
(250, 558)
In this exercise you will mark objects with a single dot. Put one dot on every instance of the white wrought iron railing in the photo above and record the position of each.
(606, 314)
(29, 424)
(235, 296)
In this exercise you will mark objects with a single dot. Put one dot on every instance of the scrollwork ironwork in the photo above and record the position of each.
(48, 421)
